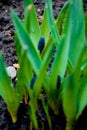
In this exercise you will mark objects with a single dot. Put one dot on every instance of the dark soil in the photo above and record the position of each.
(7, 47)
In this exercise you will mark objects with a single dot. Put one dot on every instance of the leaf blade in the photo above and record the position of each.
(26, 43)
(77, 31)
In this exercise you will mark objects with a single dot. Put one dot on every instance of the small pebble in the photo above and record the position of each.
(16, 65)
(11, 72)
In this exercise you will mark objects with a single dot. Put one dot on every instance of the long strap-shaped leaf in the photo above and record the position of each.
(77, 30)
(26, 43)
(26, 3)
(53, 29)
(82, 93)
(69, 100)
(61, 58)
(31, 23)
(82, 96)
(60, 22)
(39, 80)
(70, 91)
(45, 28)
(24, 75)
(34, 95)
(7, 91)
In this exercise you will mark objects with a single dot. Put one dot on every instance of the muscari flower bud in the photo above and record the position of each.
(58, 82)
(41, 43)
(33, 81)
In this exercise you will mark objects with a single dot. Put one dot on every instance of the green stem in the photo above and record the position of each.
(70, 124)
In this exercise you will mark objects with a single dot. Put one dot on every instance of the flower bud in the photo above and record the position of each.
(41, 44)
(33, 81)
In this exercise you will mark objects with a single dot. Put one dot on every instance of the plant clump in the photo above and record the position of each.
(66, 84)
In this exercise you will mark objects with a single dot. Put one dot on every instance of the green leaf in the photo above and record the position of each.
(26, 43)
(33, 114)
(69, 97)
(70, 90)
(26, 3)
(61, 57)
(41, 75)
(60, 22)
(53, 29)
(38, 83)
(45, 50)
(84, 65)
(77, 30)
(85, 16)
(82, 96)
(7, 91)
(46, 109)
(45, 29)
(85, 54)
(24, 75)
(78, 67)
(31, 24)
(18, 46)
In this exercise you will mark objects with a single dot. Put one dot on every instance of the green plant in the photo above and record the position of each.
(73, 86)
(25, 40)
(35, 50)
(36, 62)
(11, 97)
